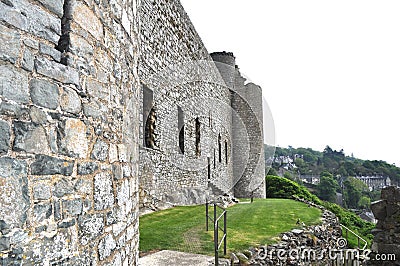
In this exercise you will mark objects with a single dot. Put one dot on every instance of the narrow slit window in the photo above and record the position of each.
(226, 152)
(214, 158)
(219, 149)
(209, 168)
(149, 118)
(181, 130)
(197, 129)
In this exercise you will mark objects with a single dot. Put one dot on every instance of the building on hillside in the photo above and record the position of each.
(375, 182)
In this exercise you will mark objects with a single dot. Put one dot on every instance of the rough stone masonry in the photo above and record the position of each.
(68, 137)
(95, 94)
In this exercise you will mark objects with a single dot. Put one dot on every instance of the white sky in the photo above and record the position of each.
(330, 70)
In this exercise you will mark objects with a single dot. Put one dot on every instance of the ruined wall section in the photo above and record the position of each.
(176, 67)
(68, 136)
(387, 232)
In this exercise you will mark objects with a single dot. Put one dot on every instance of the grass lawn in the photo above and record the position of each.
(183, 228)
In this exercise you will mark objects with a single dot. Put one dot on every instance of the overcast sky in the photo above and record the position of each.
(330, 70)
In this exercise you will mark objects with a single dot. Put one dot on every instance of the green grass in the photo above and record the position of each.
(259, 223)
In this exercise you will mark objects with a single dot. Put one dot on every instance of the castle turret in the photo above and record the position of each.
(225, 62)
(247, 129)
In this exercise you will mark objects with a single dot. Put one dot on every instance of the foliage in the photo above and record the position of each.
(355, 190)
(337, 163)
(281, 187)
(327, 187)
(249, 225)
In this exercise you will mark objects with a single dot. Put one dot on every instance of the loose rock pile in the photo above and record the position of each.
(314, 239)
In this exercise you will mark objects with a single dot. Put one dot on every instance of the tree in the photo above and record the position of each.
(327, 187)
(364, 202)
(354, 191)
(272, 171)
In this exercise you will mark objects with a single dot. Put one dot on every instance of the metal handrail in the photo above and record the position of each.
(217, 243)
(358, 237)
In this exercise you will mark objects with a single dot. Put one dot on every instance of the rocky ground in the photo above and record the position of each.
(316, 239)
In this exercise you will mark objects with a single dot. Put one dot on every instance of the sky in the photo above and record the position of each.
(330, 70)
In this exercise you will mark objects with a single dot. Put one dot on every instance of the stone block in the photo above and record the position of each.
(63, 187)
(106, 246)
(90, 227)
(100, 151)
(46, 165)
(379, 209)
(59, 72)
(4, 243)
(79, 46)
(57, 210)
(94, 109)
(41, 192)
(14, 84)
(40, 22)
(84, 186)
(10, 44)
(34, 44)
(391, 194)
(30, 138)
(4, 137)
(73, 141)
(55, 6)
(72, 207)
(98, 90)
(87, 168)
(42, 212)
(47, 50)
(38, 116)
(70, 101)
(88, 20)
(67, 224)
(113, 154)
(27, 62)
(14, 110)
(44, 93)
(13, 16)
(103, 191)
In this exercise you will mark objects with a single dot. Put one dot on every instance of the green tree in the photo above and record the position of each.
(364, 202)
(327, 187)
(354, 190)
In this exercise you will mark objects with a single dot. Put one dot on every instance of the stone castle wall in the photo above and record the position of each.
(68, 136)
(77, 129)
(176, 67)
(247, 129)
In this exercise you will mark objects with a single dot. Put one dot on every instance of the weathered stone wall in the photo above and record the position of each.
(247, 129)
(68, 132)
(176, 66)
(387, 232)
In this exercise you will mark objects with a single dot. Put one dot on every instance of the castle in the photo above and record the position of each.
(106, 106)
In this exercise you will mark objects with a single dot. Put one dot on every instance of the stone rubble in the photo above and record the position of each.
(315, 237)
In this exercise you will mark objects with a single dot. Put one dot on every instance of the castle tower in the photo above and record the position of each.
(247, 129)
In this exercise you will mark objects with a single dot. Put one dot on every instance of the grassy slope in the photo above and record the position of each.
(183, 228)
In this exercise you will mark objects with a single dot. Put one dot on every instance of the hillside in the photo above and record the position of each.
(307, 161)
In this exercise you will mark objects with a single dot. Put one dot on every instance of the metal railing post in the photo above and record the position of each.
(225, 233)
(216, 242)
(207, 216)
